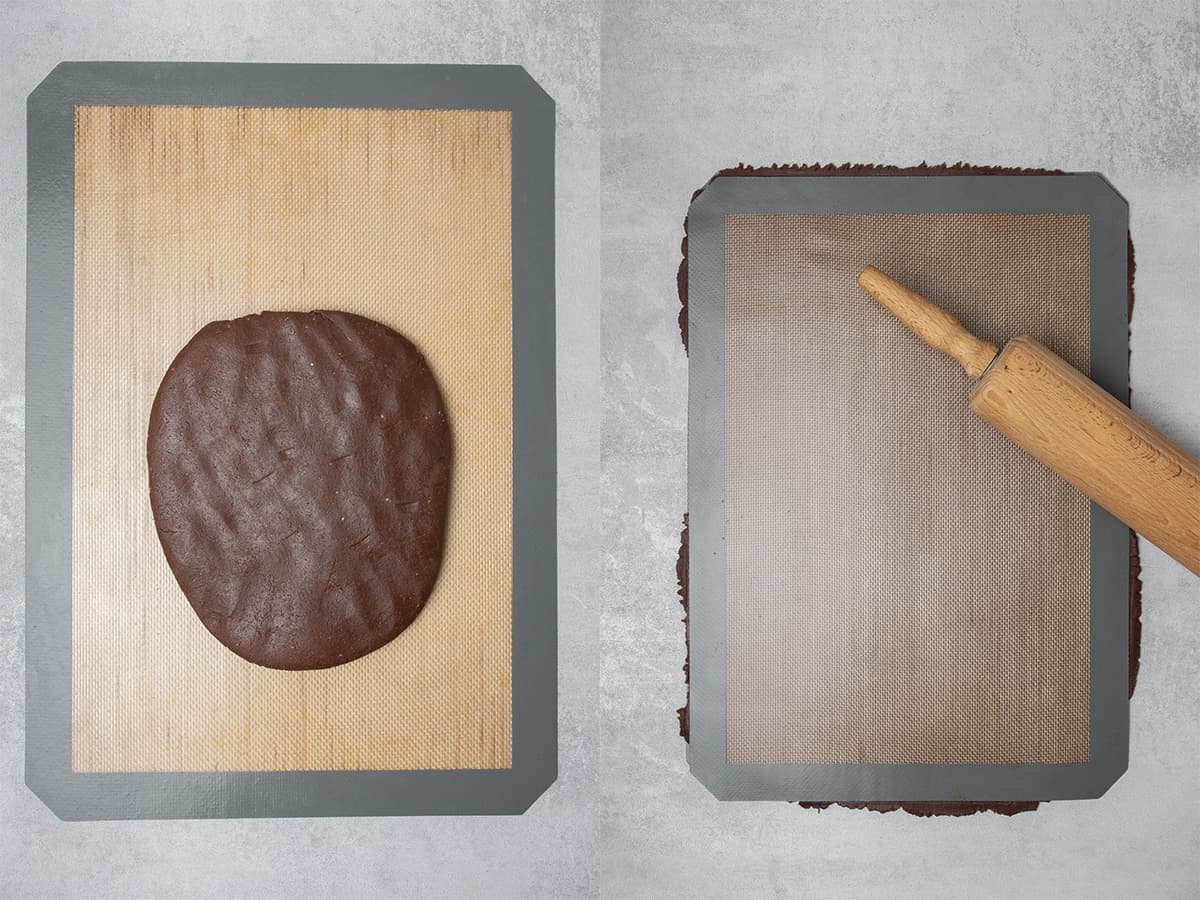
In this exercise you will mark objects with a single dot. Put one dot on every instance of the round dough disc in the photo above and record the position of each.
(299, 478)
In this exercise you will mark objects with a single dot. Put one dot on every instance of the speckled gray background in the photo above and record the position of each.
(687, 88)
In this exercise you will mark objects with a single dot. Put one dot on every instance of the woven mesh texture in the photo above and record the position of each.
(904, 585)
(186, 215)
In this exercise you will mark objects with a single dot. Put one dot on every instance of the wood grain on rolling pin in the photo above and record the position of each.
(1096, 443)
(932, 324)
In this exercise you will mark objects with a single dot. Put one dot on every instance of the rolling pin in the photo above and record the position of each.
(1044, 405)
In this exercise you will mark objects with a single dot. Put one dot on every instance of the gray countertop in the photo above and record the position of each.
(687, 88)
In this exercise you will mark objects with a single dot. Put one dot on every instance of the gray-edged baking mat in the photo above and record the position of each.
(145, 181)
(888, 723)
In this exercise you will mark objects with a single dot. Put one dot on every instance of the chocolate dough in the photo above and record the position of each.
(299, 479)
(916, 808)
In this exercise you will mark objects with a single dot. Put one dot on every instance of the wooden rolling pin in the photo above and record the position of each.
(1081, 432)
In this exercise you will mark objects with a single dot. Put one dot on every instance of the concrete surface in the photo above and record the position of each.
(1079, 86)
(688, 88)
(549, 850)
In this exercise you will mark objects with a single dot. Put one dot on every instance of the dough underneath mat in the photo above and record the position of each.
(924, 808)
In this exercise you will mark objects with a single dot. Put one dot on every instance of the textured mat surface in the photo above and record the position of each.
(903, 583)
(186, 215)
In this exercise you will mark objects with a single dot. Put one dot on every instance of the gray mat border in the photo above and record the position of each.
(50, 259)
(1086, 193)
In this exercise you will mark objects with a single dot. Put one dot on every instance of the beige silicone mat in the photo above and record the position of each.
(185, 215)
(903, 585)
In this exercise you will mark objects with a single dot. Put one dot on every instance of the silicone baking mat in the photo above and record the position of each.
(901, 588)
(188, 215)
(186, 212)
(925, 594)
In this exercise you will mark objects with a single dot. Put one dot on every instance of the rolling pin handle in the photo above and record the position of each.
(932, 324)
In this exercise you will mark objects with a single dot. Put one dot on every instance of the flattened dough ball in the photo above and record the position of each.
(299, 478)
